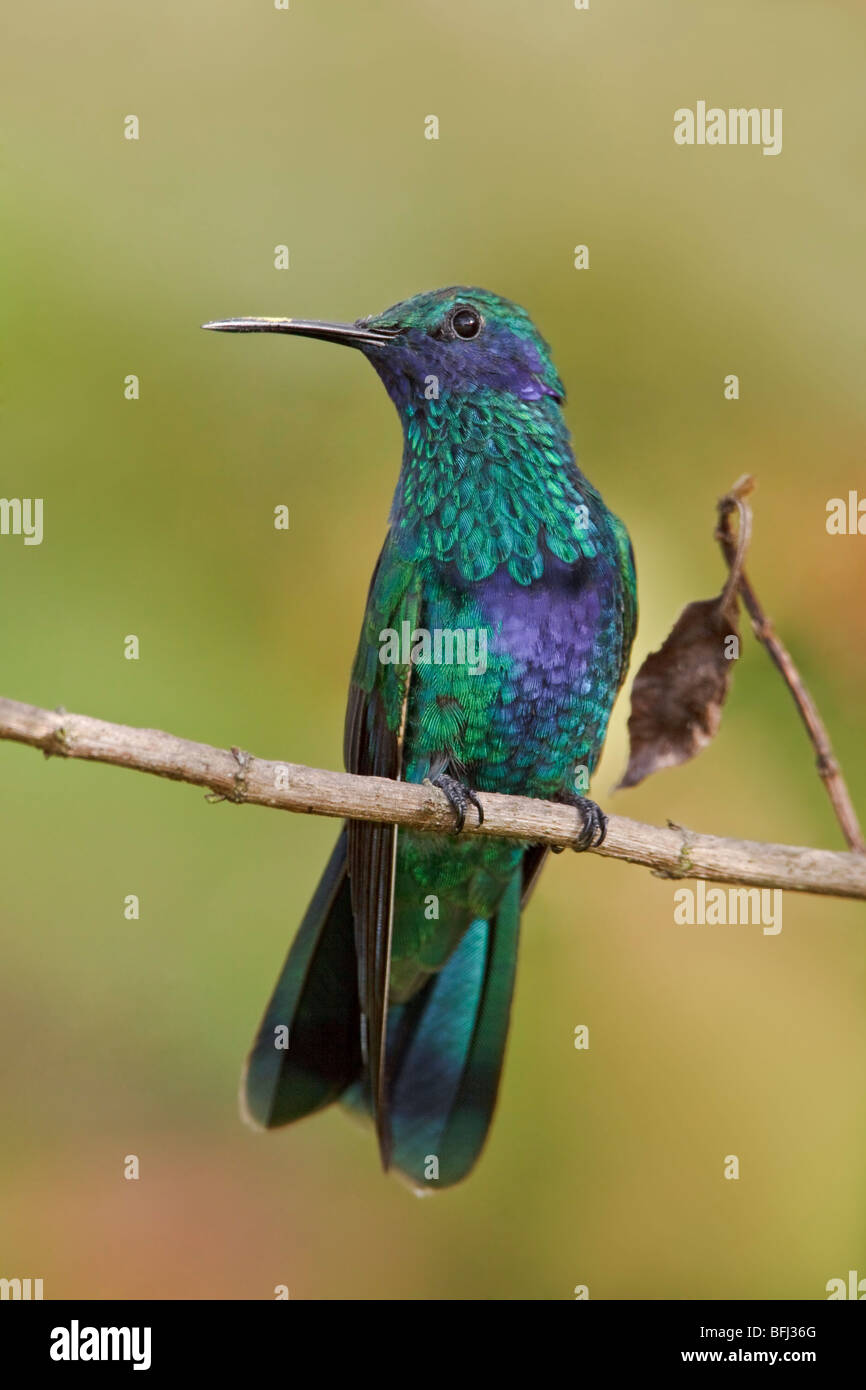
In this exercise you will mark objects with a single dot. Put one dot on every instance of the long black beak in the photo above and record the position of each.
(351, 334)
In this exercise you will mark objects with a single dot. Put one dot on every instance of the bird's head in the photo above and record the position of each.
(461, 341)
(443, 343)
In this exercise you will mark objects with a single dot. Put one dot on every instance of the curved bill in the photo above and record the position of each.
(351, 334)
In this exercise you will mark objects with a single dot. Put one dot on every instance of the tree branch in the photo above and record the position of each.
(734, 549)
(673, 852)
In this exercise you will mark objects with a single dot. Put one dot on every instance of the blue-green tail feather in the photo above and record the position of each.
(316, 999)
(445, 1052)
(444, 1046)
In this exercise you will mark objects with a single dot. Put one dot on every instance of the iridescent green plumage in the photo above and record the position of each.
(494, 532)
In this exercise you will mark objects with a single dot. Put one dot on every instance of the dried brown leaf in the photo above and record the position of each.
(678, 693)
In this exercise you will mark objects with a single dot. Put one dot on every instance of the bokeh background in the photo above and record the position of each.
(305, 127)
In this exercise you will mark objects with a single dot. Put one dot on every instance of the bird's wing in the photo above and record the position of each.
(373, 746)
(625, 561)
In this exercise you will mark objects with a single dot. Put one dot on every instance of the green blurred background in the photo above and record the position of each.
(305, 127)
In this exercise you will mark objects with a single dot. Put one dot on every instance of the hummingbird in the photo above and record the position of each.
(497, 632)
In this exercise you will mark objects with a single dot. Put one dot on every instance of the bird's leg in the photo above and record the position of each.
(594, 822)
(460, 796)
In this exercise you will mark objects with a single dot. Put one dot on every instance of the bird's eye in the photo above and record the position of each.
(466, 323)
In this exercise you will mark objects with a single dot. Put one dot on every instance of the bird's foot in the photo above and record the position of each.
(594, 822)
(460, 796)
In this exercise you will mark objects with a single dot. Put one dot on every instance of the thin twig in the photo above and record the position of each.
(733, 549)
(672, 852)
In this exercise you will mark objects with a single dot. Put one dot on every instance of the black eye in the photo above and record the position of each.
(466, 323)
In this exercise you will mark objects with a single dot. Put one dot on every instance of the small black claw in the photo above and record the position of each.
(460, 796)
(594, 826)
